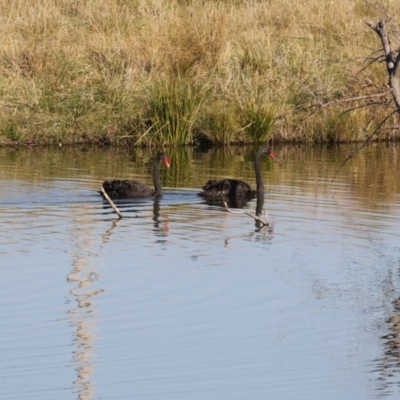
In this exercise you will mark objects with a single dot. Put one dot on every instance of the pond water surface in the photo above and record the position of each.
(185, 300)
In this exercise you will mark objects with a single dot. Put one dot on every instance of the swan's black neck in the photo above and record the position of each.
(259, 178)
(156, 176)
(259, 205)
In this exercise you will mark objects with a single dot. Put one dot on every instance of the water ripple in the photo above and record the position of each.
(182, 299)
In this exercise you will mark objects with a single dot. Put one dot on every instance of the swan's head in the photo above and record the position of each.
(271, 154)
(166, 161)
(267, 150)
(163, 157)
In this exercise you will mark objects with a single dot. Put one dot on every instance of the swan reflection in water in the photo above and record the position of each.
(161, 228)
(161, 221)
(264, 231)
(232, 202)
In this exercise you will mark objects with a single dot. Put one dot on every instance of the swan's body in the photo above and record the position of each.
(119, 189)
(127, 188)
(227, 187)
(236, 188)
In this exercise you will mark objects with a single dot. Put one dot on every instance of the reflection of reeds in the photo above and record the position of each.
(372, 173)
(179, 171)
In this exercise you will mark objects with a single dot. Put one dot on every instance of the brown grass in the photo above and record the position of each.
(75, 71)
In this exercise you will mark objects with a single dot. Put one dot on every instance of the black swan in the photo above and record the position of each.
(120, 189)
(234, 187)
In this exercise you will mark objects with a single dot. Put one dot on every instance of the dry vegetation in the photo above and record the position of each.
(176, 72)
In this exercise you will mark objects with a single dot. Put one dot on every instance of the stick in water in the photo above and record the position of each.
(255, 217)
(114, 207)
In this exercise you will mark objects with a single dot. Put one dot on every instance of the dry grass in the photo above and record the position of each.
(75, 71)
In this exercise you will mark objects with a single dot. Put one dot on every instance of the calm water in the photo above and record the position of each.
(187, 301)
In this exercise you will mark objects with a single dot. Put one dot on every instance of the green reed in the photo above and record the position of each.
(171, 112)
(259, 121)
(219, 124)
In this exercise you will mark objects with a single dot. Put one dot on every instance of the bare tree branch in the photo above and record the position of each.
(372, 61)
(316, 106)
(392, 61)
(381, 103)
(350, 99)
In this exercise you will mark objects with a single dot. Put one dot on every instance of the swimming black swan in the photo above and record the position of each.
(119, 189)
(234, 187)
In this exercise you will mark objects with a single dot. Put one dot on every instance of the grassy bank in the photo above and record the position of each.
(178, 72)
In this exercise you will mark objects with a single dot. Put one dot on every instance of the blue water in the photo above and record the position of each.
(187, 301)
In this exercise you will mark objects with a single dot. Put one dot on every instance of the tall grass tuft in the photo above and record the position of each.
(219, 124)
(171, 112)
(259, 121)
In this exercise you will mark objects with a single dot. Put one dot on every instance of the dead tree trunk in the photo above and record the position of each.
(392, 60)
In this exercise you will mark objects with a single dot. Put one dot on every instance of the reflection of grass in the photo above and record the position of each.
(83, 72)
(372, 174)
(179, 172)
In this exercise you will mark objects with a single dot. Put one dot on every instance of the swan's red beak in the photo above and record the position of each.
(166, 162)
(272, 155)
